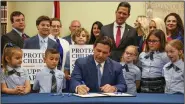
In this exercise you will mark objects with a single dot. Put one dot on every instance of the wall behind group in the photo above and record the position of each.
(88, 12)
(85, 12)
(31, 10)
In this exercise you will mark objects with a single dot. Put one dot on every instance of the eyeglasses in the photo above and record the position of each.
(131, 54)
(153, 41)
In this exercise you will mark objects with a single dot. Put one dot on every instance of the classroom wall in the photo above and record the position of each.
(85, 12)
(10, 7)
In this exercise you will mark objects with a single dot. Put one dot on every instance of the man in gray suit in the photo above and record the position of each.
(121, 33)
(16, 35)
(75, 24)
(41, 40)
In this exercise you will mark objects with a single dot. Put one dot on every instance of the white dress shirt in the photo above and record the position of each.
(115, 28)
(102, 66)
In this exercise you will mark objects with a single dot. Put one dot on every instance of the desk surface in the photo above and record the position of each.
(141, 98)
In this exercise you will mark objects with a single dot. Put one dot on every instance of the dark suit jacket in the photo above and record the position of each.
(33, 43)
(68, 38)
(85, 70)
(129, 38)
(12, 37)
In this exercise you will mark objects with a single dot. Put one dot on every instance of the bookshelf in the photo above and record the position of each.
(3, 17)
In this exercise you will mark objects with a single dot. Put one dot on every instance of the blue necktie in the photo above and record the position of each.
(60, 49)
(99, 74)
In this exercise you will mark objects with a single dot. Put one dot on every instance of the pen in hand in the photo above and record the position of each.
(83, 82)
(82, 89)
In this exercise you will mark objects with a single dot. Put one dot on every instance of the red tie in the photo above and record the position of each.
(118, 36)
(24, 36)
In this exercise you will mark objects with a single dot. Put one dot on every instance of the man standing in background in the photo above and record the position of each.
(121, 33)
(63, 45)
(16, 35)
(75, 24)
(41, 40)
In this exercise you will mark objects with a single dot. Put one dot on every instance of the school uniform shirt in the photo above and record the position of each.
(174, 77)
(14, 80)
(43, 80)
(152, 68)
(65, 46)
(131, 76)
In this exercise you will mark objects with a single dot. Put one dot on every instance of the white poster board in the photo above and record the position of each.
(79, 51)
(33, 62)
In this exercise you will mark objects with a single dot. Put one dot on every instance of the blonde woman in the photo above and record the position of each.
(142, 27)
(157, 23)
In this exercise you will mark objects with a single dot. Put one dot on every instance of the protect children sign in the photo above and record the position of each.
(33, 62)
(79, 51)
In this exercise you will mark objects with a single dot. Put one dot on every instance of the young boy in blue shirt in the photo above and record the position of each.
(50, 79)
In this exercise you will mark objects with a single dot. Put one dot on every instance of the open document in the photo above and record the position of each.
(105, 95)
(118, 94)
(91, 95)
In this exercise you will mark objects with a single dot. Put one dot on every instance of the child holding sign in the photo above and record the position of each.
(15, 80)
(80, 37)
(50, 79)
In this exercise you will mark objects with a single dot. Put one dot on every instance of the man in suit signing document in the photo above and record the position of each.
(97, 72)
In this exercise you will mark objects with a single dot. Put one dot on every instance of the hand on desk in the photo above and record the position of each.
(20, 90)
(82, 89)
(108, 88)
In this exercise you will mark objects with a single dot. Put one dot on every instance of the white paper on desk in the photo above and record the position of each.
(91, 95)
(117, 94)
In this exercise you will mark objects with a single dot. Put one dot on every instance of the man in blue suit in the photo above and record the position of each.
(98, 73)
(41, 40)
